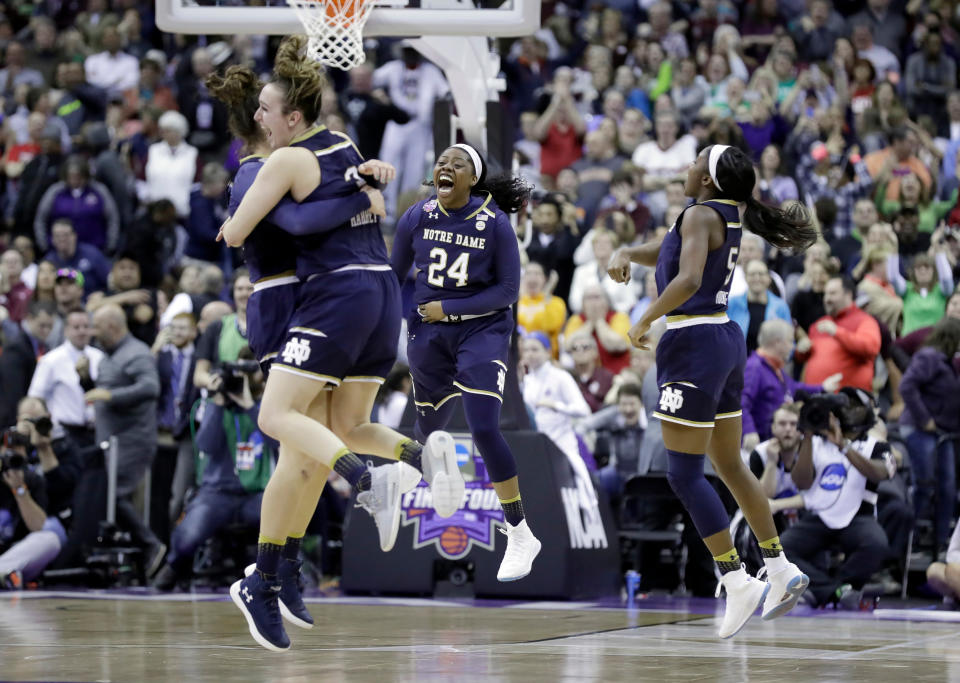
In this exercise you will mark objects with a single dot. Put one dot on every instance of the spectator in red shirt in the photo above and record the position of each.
(608, 328)
(845, 340)
(560, 128)
(18, 296)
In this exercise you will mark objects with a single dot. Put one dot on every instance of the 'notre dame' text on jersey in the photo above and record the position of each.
(717, 271)
(359, 240)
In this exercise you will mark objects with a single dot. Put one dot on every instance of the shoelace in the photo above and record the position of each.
(518, 544)
(716, 593)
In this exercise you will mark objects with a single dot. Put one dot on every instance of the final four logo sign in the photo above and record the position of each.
(472, 525)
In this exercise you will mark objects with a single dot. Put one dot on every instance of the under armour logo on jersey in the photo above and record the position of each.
(247, 597)
(434, 215)
(296, 351)
(671, 399)
(501, 380)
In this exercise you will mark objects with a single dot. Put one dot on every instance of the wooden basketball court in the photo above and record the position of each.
(139, 637)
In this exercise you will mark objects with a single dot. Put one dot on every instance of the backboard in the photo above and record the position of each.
(390, 18)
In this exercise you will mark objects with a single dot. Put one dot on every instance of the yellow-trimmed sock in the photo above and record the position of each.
(269, 552)
(291, 549)
(409, 451)
(512, 510)
(728, 561)
(773, 557)
(351, 468)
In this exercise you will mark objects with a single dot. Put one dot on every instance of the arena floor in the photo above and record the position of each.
(48, 636)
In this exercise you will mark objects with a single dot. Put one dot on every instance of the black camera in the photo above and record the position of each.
(233, 373)
(12, 438)
(43, 425)
(11, 460)
(817, 408)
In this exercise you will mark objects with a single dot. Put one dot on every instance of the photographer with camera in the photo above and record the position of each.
(29, 538)
(840, 463)
(236, 460)
(57, 459)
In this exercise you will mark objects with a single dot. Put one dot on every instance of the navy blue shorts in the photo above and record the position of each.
(346, 328)
(700, 373)
(269, 312)
(447, 359)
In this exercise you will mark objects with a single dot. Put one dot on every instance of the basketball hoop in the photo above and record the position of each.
(334, 29)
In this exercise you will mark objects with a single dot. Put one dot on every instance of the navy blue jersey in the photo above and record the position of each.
(268, 250)
(718, 270)
(468, 258)
(358, 241)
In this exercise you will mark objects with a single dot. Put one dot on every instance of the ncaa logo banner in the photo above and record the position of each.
(472, 525)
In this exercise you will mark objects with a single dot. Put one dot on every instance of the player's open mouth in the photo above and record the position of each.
(445, 183)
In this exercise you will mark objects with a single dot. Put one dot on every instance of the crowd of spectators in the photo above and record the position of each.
(115, 297)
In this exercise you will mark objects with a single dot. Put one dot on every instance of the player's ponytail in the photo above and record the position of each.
(788, 228)
(508, 191)
(301, 79)
(239, 89)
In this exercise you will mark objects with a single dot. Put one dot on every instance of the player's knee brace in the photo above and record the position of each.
(685, 474)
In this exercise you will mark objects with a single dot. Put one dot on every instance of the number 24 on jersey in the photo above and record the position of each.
(457, 271)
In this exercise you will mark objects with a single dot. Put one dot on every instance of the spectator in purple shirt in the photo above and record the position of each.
(67, 252)
(767, 386)
(87, 203)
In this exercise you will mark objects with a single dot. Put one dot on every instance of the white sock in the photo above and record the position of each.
(775, 564)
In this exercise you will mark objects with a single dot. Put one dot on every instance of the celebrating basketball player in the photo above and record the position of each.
(466, 252)
(700, 362)
(343, 272)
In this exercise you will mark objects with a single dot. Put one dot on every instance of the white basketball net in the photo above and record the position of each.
(334, 29)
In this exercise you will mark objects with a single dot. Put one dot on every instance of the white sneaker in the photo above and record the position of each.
(383, 502)
(786, 587)
(744, 595)
(522, 548)
(440, 469)
(409, 477)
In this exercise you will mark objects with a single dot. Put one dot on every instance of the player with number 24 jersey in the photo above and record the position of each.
(458, 335)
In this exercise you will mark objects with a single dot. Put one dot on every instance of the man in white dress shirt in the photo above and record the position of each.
(113, 70)
(64, 374)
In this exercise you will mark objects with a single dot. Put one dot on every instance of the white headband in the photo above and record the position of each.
(715, 153)
(474, 157)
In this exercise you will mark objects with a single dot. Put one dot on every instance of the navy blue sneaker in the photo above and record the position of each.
(291, 601)
(258, 600)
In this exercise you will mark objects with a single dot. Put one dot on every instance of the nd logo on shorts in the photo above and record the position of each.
(833, 477)
(297, 351)
(671, 399)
